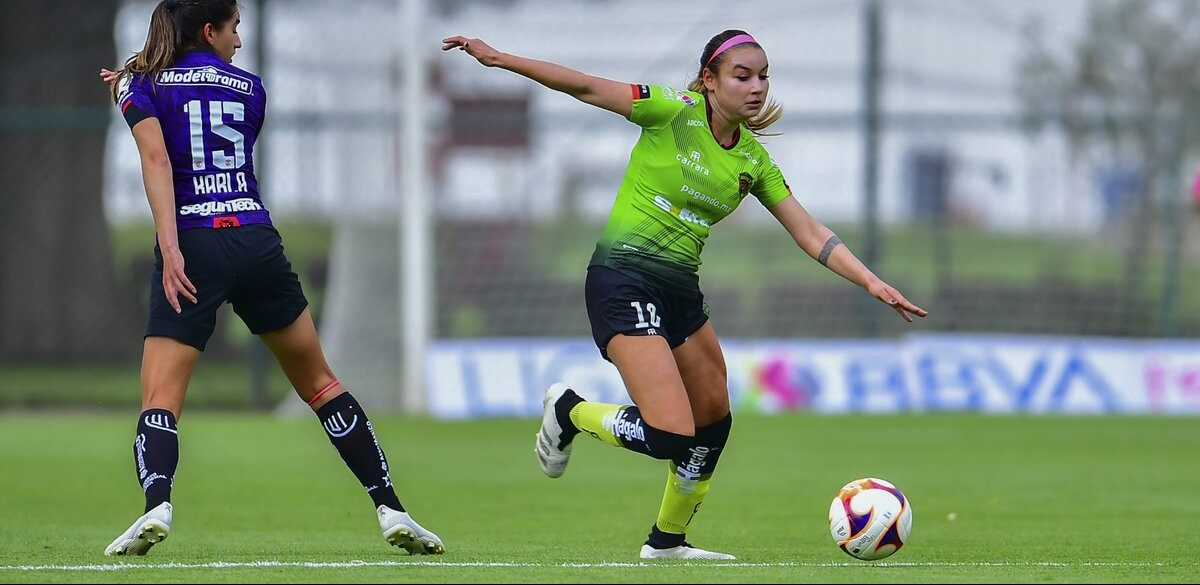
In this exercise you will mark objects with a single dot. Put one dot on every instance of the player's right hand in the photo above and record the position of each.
(175, 282)
(476, 48)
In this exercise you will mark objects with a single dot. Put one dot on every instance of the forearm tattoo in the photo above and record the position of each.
(830, 244)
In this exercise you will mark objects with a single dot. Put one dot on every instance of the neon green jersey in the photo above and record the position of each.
(680, 182)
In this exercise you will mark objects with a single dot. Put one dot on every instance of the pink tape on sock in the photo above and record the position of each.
(327, 388)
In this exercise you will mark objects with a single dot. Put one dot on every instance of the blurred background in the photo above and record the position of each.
(1024, 170)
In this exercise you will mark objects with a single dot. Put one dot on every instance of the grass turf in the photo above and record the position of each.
(1033, 499)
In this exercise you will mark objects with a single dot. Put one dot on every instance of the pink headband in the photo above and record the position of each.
(731, 42)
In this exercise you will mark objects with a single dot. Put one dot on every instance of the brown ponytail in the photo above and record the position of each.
(175, 26)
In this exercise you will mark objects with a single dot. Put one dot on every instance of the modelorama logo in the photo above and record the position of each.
(206, 76)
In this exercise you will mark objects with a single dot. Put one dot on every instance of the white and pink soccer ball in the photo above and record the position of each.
(870, 519)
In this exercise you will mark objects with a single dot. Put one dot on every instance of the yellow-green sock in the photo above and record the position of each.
(595, 419)
(681, 500)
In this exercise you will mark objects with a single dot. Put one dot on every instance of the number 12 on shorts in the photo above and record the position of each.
(642, 323)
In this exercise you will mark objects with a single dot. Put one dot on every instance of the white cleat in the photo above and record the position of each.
(152, 528)
(686, 552)
(552, 455)
(399, 529)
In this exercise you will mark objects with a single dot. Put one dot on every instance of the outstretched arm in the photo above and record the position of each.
(825, 247)
(613, 96)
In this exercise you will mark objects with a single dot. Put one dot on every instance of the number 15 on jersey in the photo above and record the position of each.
(217, 110)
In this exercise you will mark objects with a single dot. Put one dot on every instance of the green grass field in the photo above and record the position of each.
(215, 385)
(262, 499)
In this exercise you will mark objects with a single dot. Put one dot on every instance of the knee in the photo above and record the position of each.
(710, 409)
(709, 398)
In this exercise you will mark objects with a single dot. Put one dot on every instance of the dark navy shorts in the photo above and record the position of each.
(618, 303)
(243, 266)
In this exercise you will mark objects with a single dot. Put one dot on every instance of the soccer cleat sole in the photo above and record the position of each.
(150, 534)
(403, 537)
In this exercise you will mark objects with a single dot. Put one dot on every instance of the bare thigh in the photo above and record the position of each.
(652, 379)
(702, 367)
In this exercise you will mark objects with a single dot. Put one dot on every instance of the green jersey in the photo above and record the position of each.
(680, 182)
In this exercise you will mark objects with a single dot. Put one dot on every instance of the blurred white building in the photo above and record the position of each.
(331, 144)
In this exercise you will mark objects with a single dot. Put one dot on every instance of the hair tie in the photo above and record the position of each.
(725, 46)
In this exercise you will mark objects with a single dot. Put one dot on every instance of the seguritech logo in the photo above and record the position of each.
(220, 207)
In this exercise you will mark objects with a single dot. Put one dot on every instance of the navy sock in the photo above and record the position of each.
(700, 461)
(156, 454)
(662, 540)
(352, 435)
(636, 434)
(562, 411)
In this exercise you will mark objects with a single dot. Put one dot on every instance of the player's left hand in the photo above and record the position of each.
(892, 298)
(108, 77)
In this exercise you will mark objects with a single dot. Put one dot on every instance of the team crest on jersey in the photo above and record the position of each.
(745, 183)
(687, 100)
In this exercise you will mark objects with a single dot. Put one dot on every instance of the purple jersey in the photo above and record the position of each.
(211, 113)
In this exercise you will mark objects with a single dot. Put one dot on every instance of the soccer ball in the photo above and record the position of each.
(870, 519)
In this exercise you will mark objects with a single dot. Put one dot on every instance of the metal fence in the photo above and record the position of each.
(939, 185)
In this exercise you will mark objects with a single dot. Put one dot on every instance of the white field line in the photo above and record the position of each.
(422, 564)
